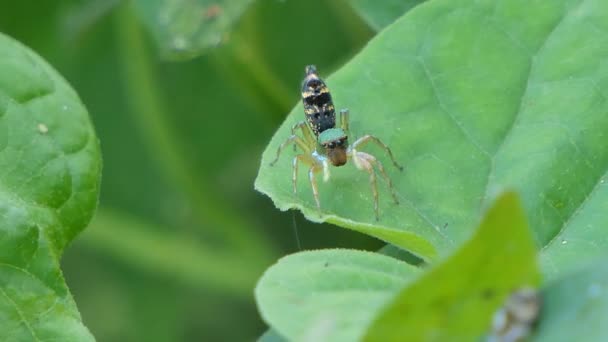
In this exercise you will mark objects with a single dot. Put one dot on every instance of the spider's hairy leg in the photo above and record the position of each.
(364, 161)
(388, 180)
(303, 126)
(313, 183)
(294, 175)
(292, 139)
(344, 114)
(367, 138)
(296, 161)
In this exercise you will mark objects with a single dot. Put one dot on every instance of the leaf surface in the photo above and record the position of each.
(455, 300)
(345, 295)
(50, 168)
(380, 14)
(186, 28)
(575, 306)
(328, 295)
(473, 97)
(271, 336)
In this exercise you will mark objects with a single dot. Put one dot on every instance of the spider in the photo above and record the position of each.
(322, 143)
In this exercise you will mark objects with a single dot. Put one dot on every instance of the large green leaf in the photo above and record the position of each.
(188, 27)
(379, 14)
(50, 168)
(472, 96)
(575, 306)
(455, 300)
(329, 295)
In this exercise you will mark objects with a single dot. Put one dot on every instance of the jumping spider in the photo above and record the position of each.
(329, 143)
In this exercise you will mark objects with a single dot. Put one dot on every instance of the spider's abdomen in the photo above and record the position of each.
(318, 106)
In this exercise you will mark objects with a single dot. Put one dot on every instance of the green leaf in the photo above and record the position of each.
(455, 300)
(328, 295)
(472, 96)
(575, 306)
(50, 168)
(271, 336)
(380, 14)
(336, 295)
(186, 28)
(400, 254)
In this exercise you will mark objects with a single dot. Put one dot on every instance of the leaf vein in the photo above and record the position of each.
(20, 313)
(525, 88)
(443, 108)
(578, 209)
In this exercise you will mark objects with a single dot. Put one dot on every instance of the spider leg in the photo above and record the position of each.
(303, 126)
(292, 139)
(294, 176)
(344, 114)
(313, 184)
(372, 182)
(295, 163)
(365, 162)
(367, 138)
(385, 176)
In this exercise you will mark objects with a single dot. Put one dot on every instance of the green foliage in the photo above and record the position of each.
(575, 306)
(429, 87)
(329, 295)
(380, 14)
(341, 295)
(180, 234)
(474, 97)
(185, 28)
(271, 336)
(455, 300)
(51, 167)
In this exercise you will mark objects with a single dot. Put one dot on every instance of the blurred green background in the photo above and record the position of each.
(181, 237)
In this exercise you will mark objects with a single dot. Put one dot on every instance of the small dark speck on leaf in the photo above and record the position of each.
(487, 293)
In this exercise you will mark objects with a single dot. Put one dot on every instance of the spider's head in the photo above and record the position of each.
(335, 143)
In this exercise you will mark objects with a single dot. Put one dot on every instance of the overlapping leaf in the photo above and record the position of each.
(329, 295)
(455, 300)
(344, 295)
